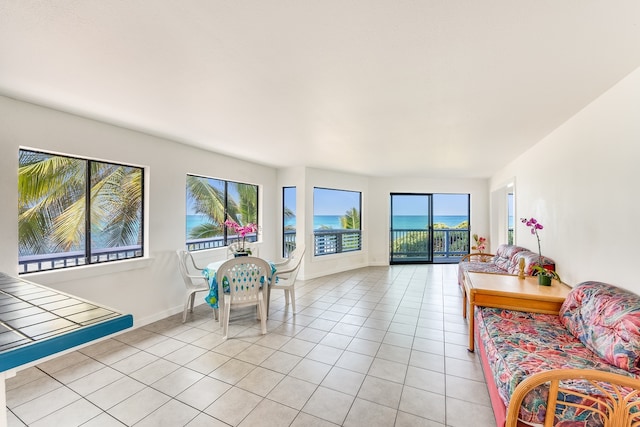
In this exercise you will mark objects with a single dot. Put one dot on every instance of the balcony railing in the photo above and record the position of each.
(449, 244)
(289, 242)
(33, 263)
(327, 242)
(217, 242)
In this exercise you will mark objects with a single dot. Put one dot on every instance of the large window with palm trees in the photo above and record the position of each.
(336, 221)
(74, 211)
(210, 202)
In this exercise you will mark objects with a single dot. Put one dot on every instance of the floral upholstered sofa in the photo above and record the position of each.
(506, 260)
(596, 335)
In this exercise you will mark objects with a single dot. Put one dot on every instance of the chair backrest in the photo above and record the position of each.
(294, 260)
(182, 266)
(245, 276)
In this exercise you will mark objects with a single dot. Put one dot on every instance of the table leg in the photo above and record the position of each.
(464, 303)
(471, 324)
(3, 396)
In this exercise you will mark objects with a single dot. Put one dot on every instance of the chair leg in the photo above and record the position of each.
(186, 308)
(225, 322)
(192, 301)
(292, 291)
(263, 317)
(286, 297)
(215, 314)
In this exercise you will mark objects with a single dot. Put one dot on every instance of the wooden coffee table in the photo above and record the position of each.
(512, 293)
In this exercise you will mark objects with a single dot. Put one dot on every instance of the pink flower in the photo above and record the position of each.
(242, 231)
(480, 243)
(534, 225)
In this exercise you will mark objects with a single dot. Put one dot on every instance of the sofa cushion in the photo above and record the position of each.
(606, 319)
(504, 253)
(519, 344)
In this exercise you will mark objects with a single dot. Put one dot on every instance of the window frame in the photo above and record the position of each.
(329, 242)
(288, 244)
(88, 255)
(225, 239)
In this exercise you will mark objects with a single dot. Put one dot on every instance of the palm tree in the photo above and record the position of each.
(116, 203)
(351, 219)
(209, 201)
(288, 213)
(248, 204)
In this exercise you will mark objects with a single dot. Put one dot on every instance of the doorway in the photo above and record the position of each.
(428, 228)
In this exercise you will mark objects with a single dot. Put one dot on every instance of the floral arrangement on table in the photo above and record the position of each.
(242, 231)
(535, 226)
(481, 243)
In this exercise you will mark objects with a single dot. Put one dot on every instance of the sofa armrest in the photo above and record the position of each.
(477, 256)
(619, 401)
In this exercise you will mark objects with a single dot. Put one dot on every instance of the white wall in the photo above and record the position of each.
(149, 289)
(581, 183)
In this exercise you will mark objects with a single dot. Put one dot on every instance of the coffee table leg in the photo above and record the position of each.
(471, 324)
(464, 303)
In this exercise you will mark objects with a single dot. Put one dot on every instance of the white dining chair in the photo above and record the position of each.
(193, 279)
(285, 276)
(247, 279)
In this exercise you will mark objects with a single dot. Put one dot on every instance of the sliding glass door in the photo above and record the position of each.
(411, 228)
(428, 228)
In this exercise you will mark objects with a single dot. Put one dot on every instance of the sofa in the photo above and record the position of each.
(506, 260)
(568, 363)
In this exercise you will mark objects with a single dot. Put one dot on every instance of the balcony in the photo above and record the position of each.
(412, 245)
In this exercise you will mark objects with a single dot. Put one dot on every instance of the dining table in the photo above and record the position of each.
(210, 273)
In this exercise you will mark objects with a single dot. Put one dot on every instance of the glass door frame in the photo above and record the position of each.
(410, 238)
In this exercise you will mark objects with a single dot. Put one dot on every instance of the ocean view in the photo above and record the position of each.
(399, 221)
(333, 221)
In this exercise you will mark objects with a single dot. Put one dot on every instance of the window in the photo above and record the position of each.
(74, 211)
(212, 201)
(288, 220)
(336, 221)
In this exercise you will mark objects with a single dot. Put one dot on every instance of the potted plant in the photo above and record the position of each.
(480, 246)
(242, 231)
(544, 274)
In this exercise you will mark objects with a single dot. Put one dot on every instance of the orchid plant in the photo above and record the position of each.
(242, 231)
(535, 226)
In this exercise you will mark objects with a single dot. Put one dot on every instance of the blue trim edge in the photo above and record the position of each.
(39, 349)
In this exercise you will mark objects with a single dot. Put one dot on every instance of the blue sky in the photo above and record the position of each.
(290, 198)
(337, 202)
(443, 204)
(334, 202)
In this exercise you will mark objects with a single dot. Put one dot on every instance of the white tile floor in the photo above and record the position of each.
(380, 346)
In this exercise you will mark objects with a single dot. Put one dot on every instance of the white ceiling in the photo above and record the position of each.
(427, 88)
